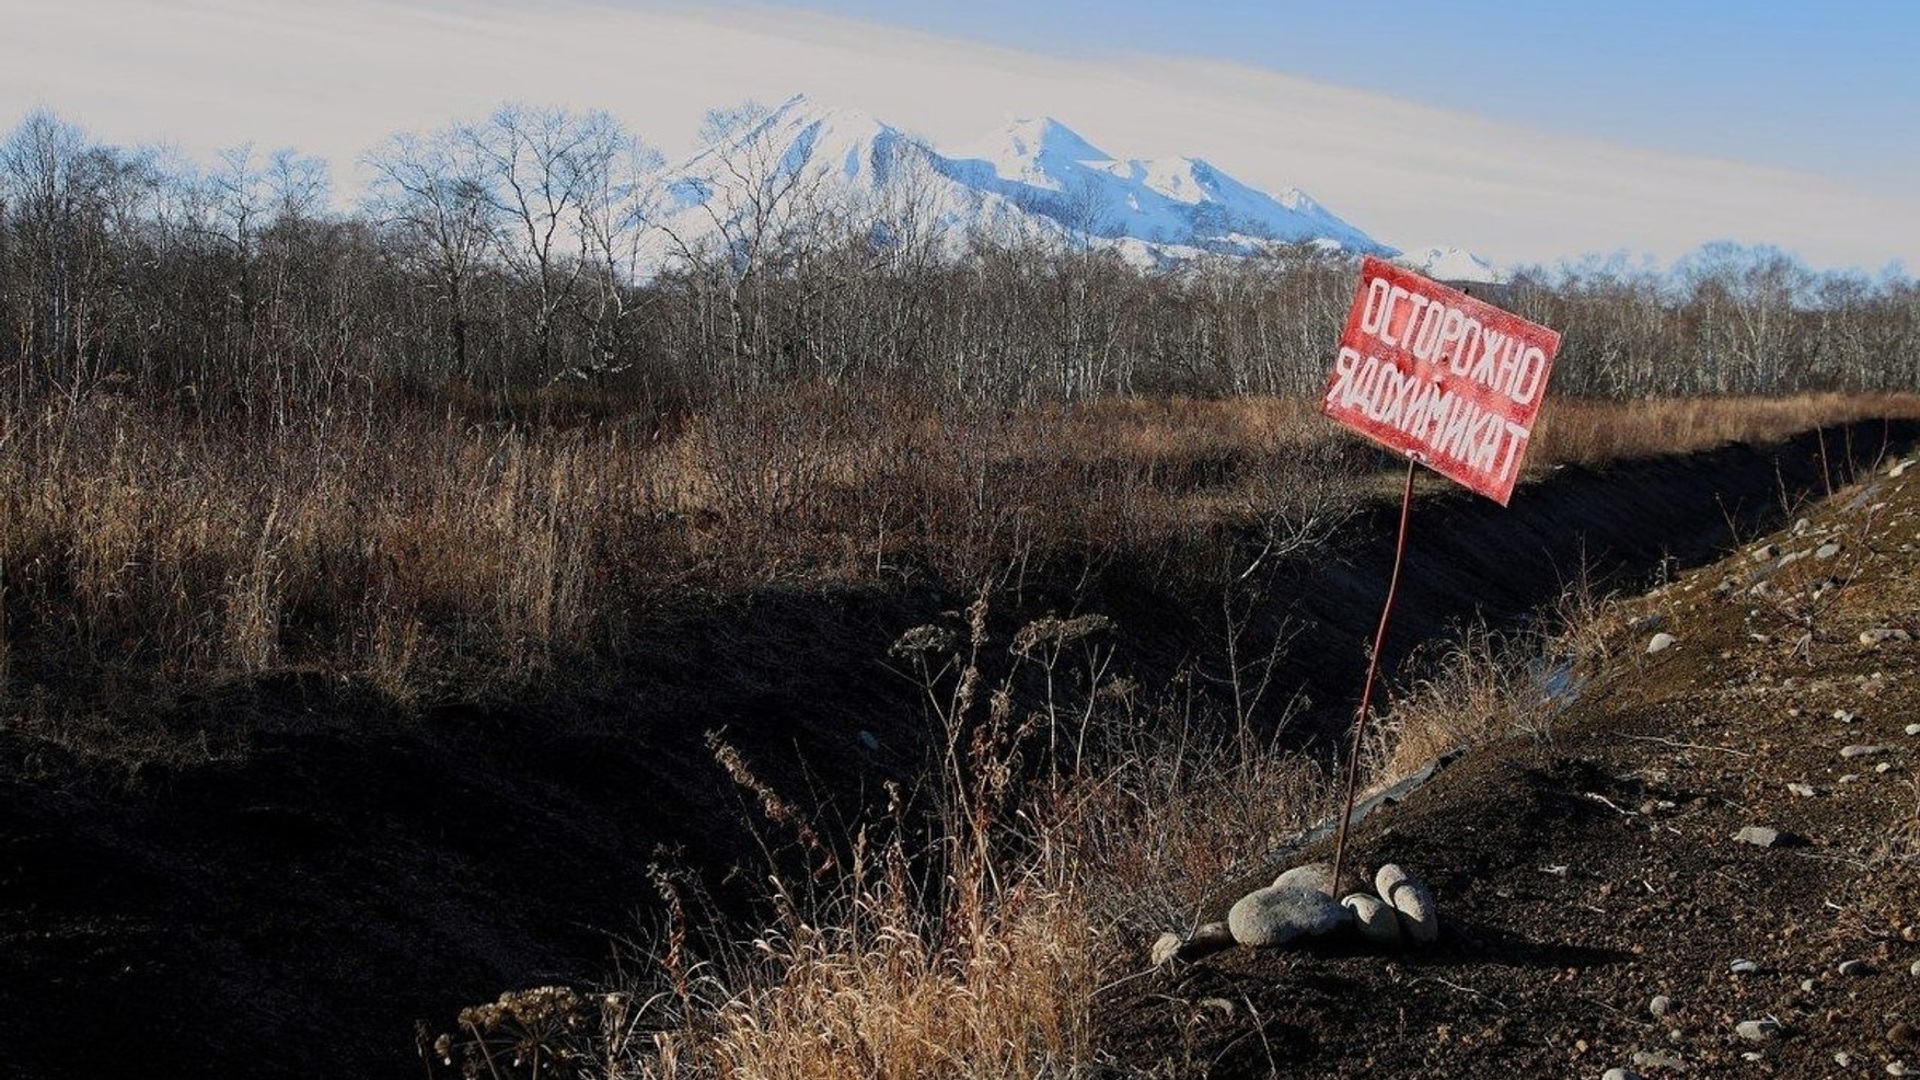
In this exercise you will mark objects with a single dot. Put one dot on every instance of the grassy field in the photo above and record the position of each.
(142, 552)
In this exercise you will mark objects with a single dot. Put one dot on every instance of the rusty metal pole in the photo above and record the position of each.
(1373, 667)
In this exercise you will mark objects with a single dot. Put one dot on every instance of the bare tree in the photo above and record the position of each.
(433, 192)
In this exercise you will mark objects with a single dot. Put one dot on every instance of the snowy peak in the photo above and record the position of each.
(1176, 207)
(1445, 263)
(802, 138)
(1043, 153)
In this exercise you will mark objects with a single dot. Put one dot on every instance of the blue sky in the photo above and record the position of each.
(1525, 132)
(1792, 84)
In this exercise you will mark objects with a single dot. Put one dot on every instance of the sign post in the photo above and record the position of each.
(1451, 382)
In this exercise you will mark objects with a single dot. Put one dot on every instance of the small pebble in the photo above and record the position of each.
(1883, 767)
(1756, 1030)
(1661, 1005)
(1913, 729)
(1826, 551)
(1805, 791)
(1619, 1074)
(1660, 642)
(1898, 1068)
(1915, 969)
(1744, 967)
(1860, 750)
(1806, 986)
(1843, 1059)
(1853, 967)
(1758, 836)
(1844, 716)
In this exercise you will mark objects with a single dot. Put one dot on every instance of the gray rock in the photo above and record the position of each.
(1419, 918)
(1915, 969)
(1758, 836)
(1744, 967)
(1765, 552)
(1913, 729)
(1881, 634)
(1660, 642)
(1275, 916)
(1661, 1005)
(1898, 1068)
(1619, 1074)
(1319, 876)
(1204, 941)
(1208, 937)
(1757, 1030)
(1860, 750)
(1826, 551)
(1805, 791)
(1377, 922)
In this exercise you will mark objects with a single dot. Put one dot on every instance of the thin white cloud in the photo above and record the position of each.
(334, 78)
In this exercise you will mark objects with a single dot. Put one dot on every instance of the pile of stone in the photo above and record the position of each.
(1305, 902)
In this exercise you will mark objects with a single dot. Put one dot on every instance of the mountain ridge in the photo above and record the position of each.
(1035, 180)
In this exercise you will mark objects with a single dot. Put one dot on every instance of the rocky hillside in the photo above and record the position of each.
(1704, 863)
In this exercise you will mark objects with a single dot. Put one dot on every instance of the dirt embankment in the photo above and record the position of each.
(294, 910)
(1707, 865)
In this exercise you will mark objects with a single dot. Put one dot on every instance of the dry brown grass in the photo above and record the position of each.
(1483, 685)
(140, 548)
(1590, 432)
(984, 949)
(142, 552)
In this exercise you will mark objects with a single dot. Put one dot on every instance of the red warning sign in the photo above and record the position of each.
(1429, 371)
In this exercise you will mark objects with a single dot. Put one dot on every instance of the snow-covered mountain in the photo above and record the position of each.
(1443, 263)
(1034, 180)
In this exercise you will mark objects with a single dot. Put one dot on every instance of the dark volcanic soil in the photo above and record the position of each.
(1582, 874)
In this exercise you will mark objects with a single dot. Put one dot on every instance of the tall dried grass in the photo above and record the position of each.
(980, 943)
(144, 552)
(1591, 432)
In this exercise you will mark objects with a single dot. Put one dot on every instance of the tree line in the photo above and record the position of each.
(517, 266)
